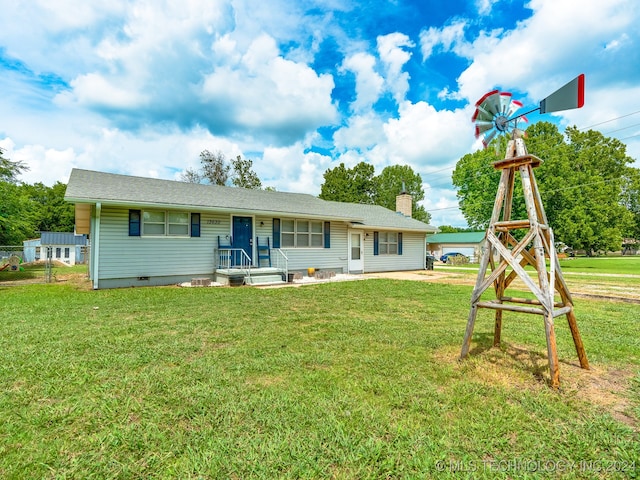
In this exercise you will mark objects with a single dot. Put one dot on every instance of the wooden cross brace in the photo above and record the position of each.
(536, 244)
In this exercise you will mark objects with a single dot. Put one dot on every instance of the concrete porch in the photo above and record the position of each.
(250, 276)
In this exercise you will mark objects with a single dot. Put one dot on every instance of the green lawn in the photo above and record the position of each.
(587, 265)
(341, 380)
(616, 265)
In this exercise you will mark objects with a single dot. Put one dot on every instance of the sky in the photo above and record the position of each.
(141, 87)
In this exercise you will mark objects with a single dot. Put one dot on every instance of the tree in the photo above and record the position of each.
(580, 181)
(191, 176)
(452, 229)
(353, 185)
(16, 215)
(217, 171)
(51, 212)
(214, 167)
(631, 200)
(359, 185)
(9, 170)
(243, 176)
(393, 180)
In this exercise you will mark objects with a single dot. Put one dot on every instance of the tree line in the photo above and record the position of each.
(590, 191)
(26, 210)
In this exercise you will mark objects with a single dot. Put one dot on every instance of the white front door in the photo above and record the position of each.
(356, 252)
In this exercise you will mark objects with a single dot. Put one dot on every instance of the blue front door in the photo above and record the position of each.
(242, 237)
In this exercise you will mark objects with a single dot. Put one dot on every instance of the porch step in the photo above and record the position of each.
(264, 280)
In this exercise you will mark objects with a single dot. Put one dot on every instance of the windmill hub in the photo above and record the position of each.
(502, 123)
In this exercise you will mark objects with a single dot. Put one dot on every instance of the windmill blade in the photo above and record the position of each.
(485, 96)
(482, 127)
(487, 139)
(566, 97)
(491, 104)
(514, 107)
(505, 100)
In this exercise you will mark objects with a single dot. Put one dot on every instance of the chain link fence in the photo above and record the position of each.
(22, 266)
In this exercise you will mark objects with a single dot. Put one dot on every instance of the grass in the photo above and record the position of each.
(612, 265)
(628, 265)
(342, 380)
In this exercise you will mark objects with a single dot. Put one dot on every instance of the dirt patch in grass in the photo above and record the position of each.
(518, 367)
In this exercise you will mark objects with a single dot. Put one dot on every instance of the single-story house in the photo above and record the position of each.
(62, 246)
(146, 231)
(466, 243)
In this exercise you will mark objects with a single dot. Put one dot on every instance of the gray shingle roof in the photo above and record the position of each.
(86, 186)
(62, 238)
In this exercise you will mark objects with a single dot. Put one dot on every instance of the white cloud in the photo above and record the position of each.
(485, 6)
(394, 57)
(369, 84)
(441, 39)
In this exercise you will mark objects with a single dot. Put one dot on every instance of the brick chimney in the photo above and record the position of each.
(404, 202)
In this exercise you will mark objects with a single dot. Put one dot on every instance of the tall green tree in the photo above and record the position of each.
(360, 185)
(214, 167)
(51, 212)
(17, 216)
(353, 185)
(397, 178)
(216, 170)
(580, 180)
(243, 174)
(9, 170)
(631, 200)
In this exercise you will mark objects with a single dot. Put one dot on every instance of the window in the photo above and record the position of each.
(161, 223)
(387, 243)
(58, 252)
(134, 223)
(66, 253)
(301, 234)
(153, 223)
(178, 223)
(195, 224)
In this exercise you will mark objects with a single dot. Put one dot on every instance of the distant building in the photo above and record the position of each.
(65, 247)
(466, 243)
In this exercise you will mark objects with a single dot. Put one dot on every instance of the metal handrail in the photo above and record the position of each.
(234, 258)
(281, 262)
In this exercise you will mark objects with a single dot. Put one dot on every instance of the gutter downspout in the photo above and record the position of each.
(95, 247)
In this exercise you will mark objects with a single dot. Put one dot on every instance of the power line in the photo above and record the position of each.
(610, 120)
(542, 192)
(620, 129)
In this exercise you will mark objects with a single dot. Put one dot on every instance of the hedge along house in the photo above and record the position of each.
(146, 231)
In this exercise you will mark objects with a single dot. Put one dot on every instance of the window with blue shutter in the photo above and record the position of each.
(134, 223)
(327, 234)
(195, 224)
(276, 233)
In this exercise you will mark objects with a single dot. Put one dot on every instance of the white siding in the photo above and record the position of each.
(412, 258)
(333, 258)
(122, 256)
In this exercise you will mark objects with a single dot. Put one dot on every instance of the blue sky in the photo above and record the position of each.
(141, 87)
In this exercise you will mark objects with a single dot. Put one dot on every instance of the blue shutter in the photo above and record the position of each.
(134, 223)
(276, 233)
(327, 234)
(375, 243)
(400, 243)
(195, 224)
